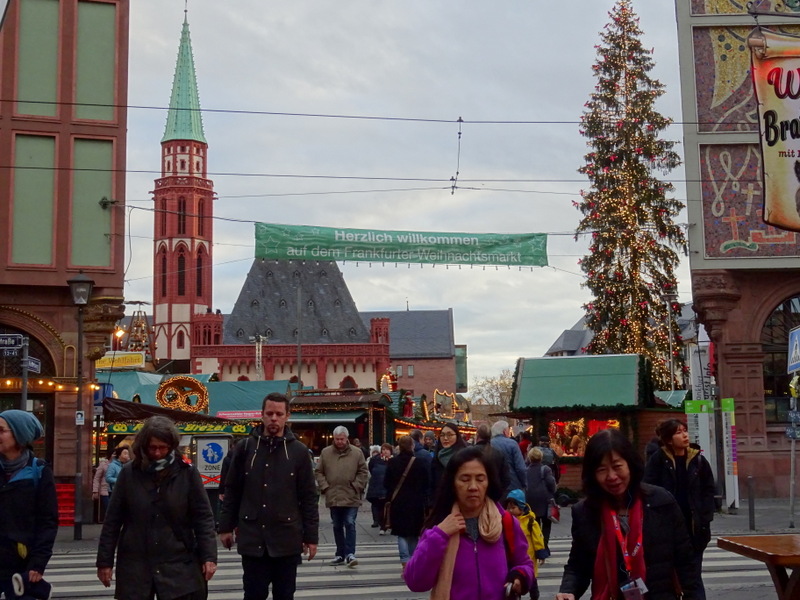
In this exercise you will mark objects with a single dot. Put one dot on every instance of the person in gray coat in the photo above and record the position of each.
(159, 523)
(270, 496)
(540, 491)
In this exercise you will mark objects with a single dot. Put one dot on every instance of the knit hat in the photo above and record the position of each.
(429, 434)
(518, 498)
(24, 426)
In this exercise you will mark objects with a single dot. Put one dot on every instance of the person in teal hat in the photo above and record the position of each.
(28, 509)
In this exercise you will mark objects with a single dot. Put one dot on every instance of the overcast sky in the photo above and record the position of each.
(264, 68)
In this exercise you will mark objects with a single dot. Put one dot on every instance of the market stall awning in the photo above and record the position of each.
(605, 380)
(343, 416)
(672, 398)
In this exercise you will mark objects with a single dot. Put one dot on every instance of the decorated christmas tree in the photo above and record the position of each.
(630, 268)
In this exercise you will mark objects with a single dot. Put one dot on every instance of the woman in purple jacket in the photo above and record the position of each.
(462, 554)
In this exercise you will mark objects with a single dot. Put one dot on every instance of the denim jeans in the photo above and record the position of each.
(344, 529)
(406, 546)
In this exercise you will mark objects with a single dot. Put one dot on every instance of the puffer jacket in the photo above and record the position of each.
(29, 516)
(376, 490)
(270, 496)
(161, 528)
(481, 569)
(660, 471)
(342, 476)
(666, 544)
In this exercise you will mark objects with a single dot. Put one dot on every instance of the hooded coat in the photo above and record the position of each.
(270, 496)
(660, 471)
(162, 530)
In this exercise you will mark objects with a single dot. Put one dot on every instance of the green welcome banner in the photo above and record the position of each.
(299, 242)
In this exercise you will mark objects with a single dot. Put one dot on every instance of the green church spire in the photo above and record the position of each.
(184, 121)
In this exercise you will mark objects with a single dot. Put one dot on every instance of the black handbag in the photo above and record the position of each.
(386, 521)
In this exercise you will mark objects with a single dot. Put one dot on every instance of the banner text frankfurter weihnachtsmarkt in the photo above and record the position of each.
(300, 242)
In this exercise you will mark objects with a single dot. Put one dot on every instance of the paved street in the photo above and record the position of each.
(727, 576)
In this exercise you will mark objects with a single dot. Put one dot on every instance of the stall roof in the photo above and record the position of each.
(569, 381)
(342, 416)
(223, 396)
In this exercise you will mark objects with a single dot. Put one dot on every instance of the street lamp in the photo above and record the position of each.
(80, 287)
(669, 298)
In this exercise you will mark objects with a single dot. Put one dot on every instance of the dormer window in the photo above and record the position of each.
(310, 304)
(324, 332)
(254, 303)
(240, 333)
(282, 303)
(337, 303)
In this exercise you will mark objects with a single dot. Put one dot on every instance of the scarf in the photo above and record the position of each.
(490, 527)
(10, 467)
(605, 579)
(445, 454)
(161, 463)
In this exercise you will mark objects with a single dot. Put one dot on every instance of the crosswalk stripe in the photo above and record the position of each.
(377, 575)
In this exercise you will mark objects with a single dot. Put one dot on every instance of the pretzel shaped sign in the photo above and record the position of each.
(177, 393)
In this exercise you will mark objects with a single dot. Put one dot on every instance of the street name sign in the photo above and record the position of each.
(11, 340)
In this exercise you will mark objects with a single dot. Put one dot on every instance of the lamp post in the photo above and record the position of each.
(669, 298)
(80, 287)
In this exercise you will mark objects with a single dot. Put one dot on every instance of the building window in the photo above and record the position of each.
(310, 304)
(181, 215)
(282, 303)
(239, 333)
(324, 332)
(337, 303)
(163, 274)
(254, 303)
(163, 217)
(201, 209)
(181, 340)
(410, 371)
(399, 370)
(181, 273)
(775, 341)
(199, 281)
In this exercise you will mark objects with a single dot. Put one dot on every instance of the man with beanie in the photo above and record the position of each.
(28, 508)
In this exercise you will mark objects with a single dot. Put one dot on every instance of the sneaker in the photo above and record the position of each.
(375, 525)
(337, 560)
(382, 532)
(352, 561)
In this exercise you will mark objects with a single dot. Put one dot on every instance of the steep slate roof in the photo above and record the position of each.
(267, 305)
(184, 120)
(418, 333)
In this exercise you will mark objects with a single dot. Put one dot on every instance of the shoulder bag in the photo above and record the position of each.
(386, 522)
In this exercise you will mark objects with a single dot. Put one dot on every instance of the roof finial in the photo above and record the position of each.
(185, 10)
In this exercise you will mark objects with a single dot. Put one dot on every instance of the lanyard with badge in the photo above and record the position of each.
(632, 589)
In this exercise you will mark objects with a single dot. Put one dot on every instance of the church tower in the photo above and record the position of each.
(183, 234)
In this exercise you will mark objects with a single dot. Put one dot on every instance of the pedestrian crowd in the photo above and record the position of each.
(472, 519)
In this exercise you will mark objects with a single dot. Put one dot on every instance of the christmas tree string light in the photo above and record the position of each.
(632, 258)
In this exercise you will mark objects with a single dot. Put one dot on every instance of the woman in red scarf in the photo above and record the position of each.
(628, 538)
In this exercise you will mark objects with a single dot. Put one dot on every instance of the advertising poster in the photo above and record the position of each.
(700, 422)
(729, 450)
(776, 80)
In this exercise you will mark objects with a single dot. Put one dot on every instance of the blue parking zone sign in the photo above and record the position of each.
(793, 364)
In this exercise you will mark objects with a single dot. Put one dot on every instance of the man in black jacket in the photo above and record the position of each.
(270, 496)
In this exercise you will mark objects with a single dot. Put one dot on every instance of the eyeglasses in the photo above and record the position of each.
(161, 448)
(447, 434)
